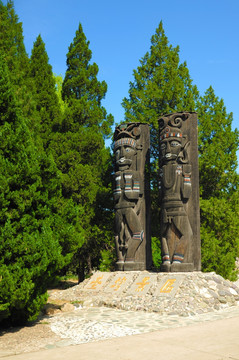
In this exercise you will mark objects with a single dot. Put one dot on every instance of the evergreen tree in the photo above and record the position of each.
(218, 145)
(14, 52)
(82, 90)
(11, 43)
(79, 148)
(66, 224)
(220, 235)
(30, 253)
(161, 85)
(47, 103)
(219, 189)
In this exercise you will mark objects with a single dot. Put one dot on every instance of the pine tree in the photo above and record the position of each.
(219, 189)
(30, 253)
(79, 148)
(47, 103)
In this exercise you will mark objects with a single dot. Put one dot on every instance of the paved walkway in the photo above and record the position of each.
(94, 324)
(101, 333)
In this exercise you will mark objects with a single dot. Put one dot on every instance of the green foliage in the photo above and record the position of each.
(219, 235)
(161, 85)
(82, 90)
(156, 253)
(70, 212)
(107, 261)
(47, 103)
(30, 253)
(217, 144)
(11, 43)
(219, 182)
(59, 82)
(80, 154)
(15, 56)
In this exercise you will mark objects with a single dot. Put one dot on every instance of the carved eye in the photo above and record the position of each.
(117, 152)
(163, 146)
(175, 143)
(128, 149)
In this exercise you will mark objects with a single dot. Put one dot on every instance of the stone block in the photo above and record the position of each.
(168, 285)
(118, 283)
(97, 281)
(142, 284)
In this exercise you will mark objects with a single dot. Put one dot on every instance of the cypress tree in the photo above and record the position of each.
(219, 190)
(47, 103)
(14, 52)
(161, 85)
(218, 145)
(11, 43)
(82, 90)
(30, 253)
(79, 149)
(66, 224)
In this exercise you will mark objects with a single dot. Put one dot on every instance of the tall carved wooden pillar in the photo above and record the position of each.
(131, 196)
(179, 192)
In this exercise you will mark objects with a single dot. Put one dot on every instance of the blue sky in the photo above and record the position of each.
(120, 31)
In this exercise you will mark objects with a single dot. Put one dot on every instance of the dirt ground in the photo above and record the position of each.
(18, 340)
(33, 337)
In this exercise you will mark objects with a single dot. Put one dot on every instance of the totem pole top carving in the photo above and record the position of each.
(172, 136)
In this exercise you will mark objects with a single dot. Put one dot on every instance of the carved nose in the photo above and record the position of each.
(122, 152)
(168, 149)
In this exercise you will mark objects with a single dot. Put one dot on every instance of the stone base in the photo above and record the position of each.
(127, 290)
(130, 266)
(184, 267)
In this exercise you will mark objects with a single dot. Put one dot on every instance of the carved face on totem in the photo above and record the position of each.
(173, 143)
(170, 145)
(125, 151)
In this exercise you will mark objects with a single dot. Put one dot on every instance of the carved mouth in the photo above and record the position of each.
(123, 161)
(169, 156)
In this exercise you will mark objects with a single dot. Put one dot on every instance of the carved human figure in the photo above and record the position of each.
(175, 190)
(128, 191)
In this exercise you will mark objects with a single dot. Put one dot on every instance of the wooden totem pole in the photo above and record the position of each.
(131, 196)
(179, 192)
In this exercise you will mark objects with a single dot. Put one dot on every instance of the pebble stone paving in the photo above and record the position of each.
(94, 324)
